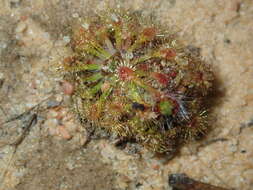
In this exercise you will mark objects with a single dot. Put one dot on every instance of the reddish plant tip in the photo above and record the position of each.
(161, 78)
(199, 76)
(193, 123)
(172, 74)
(68, 60)
(81, 30)
(149, 32)
(143, 67)
(168, 53)
(125, 73)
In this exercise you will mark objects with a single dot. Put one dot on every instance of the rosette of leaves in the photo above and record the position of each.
(134, 80)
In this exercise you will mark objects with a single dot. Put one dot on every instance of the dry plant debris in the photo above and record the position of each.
(183, 182)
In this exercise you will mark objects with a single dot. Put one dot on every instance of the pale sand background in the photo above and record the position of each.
(32, 39)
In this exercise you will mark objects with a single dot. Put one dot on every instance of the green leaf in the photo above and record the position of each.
(96, 50)
(166, 107)
(96, 88)
(141, 59)
(103, 98)
(92, 66)
(134, 93)
(94, 77)
(105, 94)
(84, 67)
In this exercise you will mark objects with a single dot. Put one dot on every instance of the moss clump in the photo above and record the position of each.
(136, 81)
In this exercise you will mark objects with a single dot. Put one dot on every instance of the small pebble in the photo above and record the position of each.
(1, 76)
(61, 114)
(53, 115)
(156, 167)
(23, 17)
(1, 155)
(66, 39)
(21, 27)
(58, 98)
(67, 88)
(82, 139)
(3, 45)
(85, 26)
(51, 124)
(53, 103)
(62, 132)
(75, 15)
(71, 165)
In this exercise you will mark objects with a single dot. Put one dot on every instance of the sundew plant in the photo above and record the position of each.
(133, 79)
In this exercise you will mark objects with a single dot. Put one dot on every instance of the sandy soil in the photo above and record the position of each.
(42, 146)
